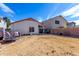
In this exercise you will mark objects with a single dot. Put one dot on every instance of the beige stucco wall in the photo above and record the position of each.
(50, 23)
(23, 27)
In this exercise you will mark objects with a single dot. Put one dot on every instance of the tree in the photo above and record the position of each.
(7, 20)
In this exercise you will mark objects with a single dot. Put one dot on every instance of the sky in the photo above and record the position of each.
(40, 11)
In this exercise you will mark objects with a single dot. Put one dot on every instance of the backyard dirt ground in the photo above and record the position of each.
(41, 45)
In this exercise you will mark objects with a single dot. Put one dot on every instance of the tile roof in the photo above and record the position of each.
(29, 19)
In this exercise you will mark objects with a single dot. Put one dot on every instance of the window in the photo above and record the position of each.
(56, 22)
(31, 29)
(40, 27)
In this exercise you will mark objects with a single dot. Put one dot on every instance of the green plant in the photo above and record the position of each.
(7, 20)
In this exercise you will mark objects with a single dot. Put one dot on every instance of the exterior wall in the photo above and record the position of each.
(71, 25)
(23, 27)
(50, 23)
(2, 23)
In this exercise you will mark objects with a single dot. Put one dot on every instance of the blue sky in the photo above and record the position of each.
(40, 11)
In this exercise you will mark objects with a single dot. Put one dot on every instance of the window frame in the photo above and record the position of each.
(31, 29)
(57, 22)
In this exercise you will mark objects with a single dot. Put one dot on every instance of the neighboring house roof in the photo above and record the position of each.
(62, 17)
(71, 23)
(29, 19)
(56, 17)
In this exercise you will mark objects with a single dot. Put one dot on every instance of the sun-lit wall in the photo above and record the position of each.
(2, 23)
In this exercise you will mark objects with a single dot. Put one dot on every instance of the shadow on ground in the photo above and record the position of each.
(7, 42)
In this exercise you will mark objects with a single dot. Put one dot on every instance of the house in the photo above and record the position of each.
(71, 24)
(31, 26)
(58, 25)
(56, 22)
(27, 26)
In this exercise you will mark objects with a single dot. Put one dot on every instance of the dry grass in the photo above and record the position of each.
(41, 45)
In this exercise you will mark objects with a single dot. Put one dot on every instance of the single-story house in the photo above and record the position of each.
(28, 26)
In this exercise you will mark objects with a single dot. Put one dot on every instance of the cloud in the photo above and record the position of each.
(75, 15)
(12, 21)
(51, 16)
(40, 19)
(6, 9)
(77, 22)
(48, 16)
(72, 11)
